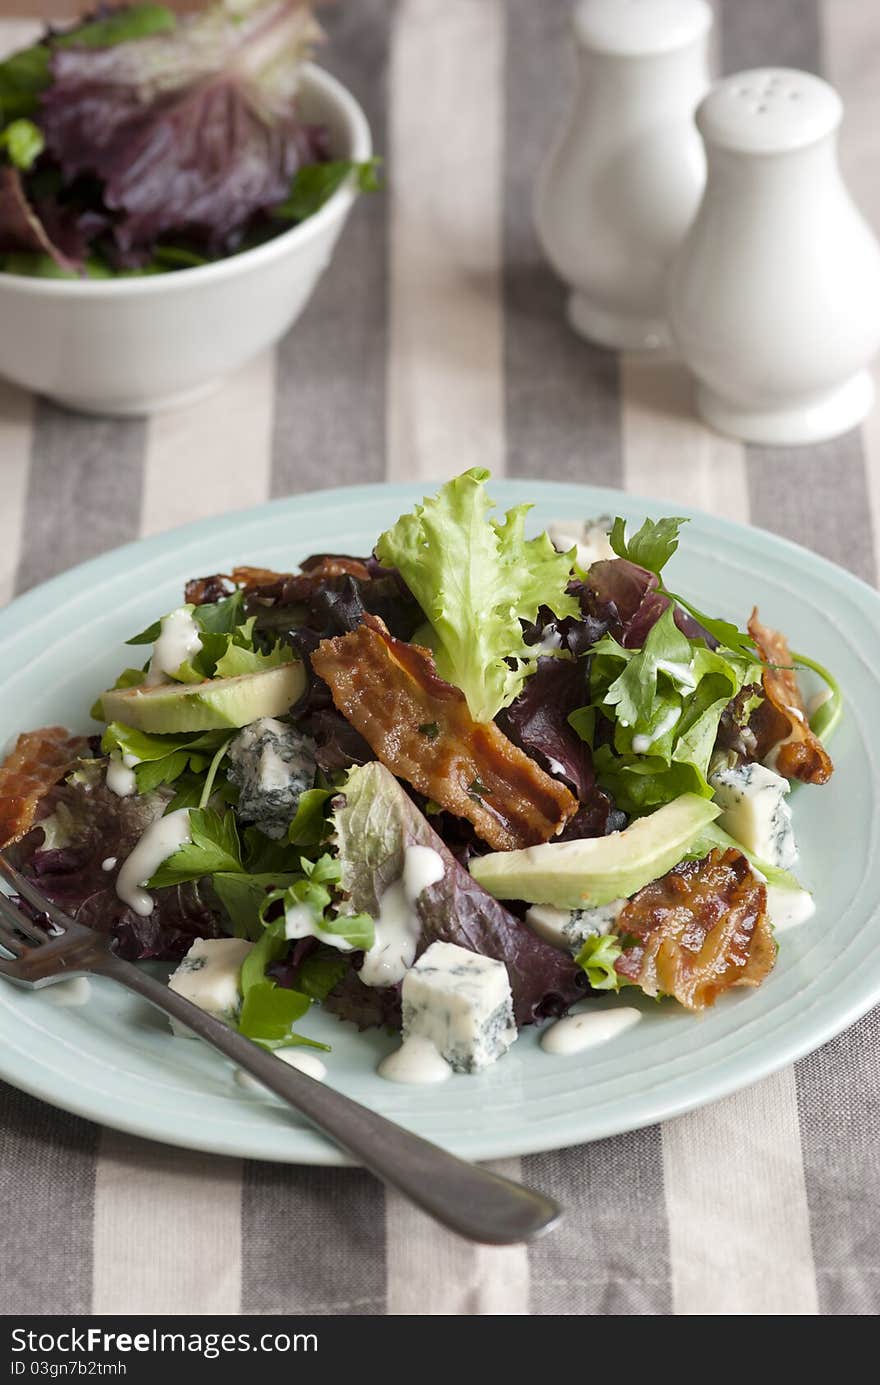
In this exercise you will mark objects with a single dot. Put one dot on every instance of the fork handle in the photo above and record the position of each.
(466, 1198)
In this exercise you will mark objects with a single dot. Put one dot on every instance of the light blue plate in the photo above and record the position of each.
(114, 1060)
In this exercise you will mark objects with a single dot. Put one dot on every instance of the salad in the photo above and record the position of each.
(139, 142)
(453, 787)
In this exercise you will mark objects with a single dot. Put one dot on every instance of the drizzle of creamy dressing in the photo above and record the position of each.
(587, 1028)
(120, 775)
(398, 926)
(788, 908)
(548, 645)
(679, 673)
(161, 839)
(108, 863)
(417, 1062)
(642, 744)
(294, 1058)
(76, 991)
(178, 641)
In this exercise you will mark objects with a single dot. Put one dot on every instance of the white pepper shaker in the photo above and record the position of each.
(774, 298)
(624, 179)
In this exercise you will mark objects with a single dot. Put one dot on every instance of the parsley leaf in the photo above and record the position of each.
(214, 847)
(652, 546)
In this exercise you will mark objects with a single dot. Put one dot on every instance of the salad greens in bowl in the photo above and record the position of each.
(463, 784)
(171, 189)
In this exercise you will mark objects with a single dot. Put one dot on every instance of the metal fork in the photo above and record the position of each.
(466, 1198)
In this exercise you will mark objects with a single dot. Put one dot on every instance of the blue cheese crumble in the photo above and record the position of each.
(460, 1001)
(755, 812)
(272, 765)
(569, 928)
(210, 976)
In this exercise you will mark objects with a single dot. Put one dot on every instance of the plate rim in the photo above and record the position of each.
(647, 1109)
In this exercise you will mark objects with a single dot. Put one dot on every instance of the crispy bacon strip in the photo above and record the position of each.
(782, 720)
(697, 931)
(420, 727)
(37, 762)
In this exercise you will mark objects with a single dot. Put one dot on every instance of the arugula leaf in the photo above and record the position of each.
(214, 847)
(243, 897)
(476, 579)
(269, 1011)
(597, 957)
(320, 972)
(23, 142)
(652, 546)
(315, 184)
(305, 904)
(309, 826)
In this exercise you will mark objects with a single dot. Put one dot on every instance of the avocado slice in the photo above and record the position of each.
(208, 706)
(596, 870)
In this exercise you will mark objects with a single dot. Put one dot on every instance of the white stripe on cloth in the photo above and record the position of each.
(432, 1273)
(167, 1230)
(445, 413)
(213, 456)
(168, 1222)
(445, 382)
(739, 1234)
(16, 434)
(851, 49)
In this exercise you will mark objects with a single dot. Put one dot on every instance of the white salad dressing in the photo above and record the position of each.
(161, 839)
(549, 645)
(300, 922)
(587, 1028)
(120, 775)
(108, 863)
(642, 744)
(76, 991)
(397, 927)
(297, 1058)
(178, 641)
(683, 674)
(788, 908)
(417, 1062)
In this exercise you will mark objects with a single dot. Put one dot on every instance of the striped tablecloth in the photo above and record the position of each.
(436, 343)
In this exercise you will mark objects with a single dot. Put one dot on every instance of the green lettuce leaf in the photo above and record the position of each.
(315, 184)
(475, 579)
(597, 957)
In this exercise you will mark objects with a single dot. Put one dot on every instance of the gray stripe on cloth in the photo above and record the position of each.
(819, 496)
(84, 490)
(313, 1241)
(331, 372)
(562, 396)
(47, 1184)
(610, 1255)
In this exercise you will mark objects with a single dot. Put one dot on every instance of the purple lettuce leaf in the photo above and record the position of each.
(85, 825)
(625, 596)
(192, 132)
(537, 721)
(374, 824)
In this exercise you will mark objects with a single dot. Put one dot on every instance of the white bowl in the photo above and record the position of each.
(131, 346)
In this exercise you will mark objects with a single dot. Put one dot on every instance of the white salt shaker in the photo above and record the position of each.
(624, 179)
(774, 298)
